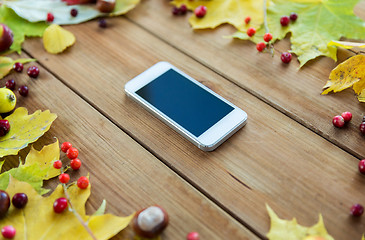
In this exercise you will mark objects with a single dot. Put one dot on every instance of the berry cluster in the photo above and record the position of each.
(32, 71)
(182, 10)
(199, 12)
(285, 20)
(340, 120)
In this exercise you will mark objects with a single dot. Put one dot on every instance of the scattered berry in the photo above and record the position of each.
(65, 146)
(338, 121)
(74, 12)
(260, 46)
(33, 71)
(293, 16)
(362, 166)
(64, 178)
(247, 20)
(193, 236)
(362, 126)
(251, 31)
(83, 182)
(57, 164)
(72, 153)
(50, 17)
(19, 200)
(8, 232)
(284, 21)
(4, 127)
(175, 11)
(286, 57)
(4, 203)
(347, 116)
(23, 90)
(183, 9)
(200, 11)
(60, 205)
(75, 164)
(18, 67)
(102, 23)
(10, 84)
(357, 210)
(267, 37)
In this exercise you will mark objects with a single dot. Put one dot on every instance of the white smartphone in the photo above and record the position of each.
(193, 110)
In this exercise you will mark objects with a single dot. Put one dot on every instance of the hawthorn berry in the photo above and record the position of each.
(284, 21)
(75, 164)
(57, 164)
(33, 72)
(357, 210)
(102, 23)
(362, 127)
(23, 91)
(247, 20)
(72, 153)
(18, 67)
(260, 46)
(362, 166)
(8, 232)
(267, 37)
(347, 116)
(175, 11)
(64, 178)
(59, 205)
(4, 127)
(83, 182)
(200, 11)
(4, 203)
(293, 16)
(183, 9)
(286, 57)
(193, 236)
(50, 17)
(65, 146)
(19, 200)
(338, 121)
(251, 31)
(10, 84)
(74, 12)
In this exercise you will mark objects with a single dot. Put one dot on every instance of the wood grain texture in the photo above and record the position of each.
(273, 159)
(121, 171)
(297, 93)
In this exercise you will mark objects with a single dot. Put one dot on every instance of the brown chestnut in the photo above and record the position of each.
(105, 6)
(150, 222)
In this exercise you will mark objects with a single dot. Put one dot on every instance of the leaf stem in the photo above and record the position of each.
(267, 27)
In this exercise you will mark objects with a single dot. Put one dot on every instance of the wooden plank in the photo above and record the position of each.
(295, 92)
(272, 160)
(121, 171)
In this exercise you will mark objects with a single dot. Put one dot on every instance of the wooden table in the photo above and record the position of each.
(288, 155)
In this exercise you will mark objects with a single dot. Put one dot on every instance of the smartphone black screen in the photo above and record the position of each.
(183, 101)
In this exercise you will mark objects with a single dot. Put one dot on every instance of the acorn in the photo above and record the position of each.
(105, 6)
(150, 222)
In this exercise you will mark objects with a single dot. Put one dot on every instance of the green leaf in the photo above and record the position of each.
(20, 27)
(6, 64)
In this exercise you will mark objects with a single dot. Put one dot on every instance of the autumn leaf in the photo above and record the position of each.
(347, 74)
(346, 45)
(283, 229)
(6, 64)
(24, 129)
(225, 11)
(38, 220)
(56, 39)
(20, 27)
(38, 166)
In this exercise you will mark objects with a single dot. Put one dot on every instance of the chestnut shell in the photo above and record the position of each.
(156, 231)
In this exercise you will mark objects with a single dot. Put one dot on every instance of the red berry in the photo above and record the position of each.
(247, 20)
(23, 90)
(338, 121)
(267, 37)
(293, 16)
(286, 57)
(251, 31)
(260, 46)
(4, 127)
(57, 164)
(362, 127)
(64, 178)
(75, 164)
(4, 203)
(72, 153)
(18, 67)
(74, 12)
(19, 200)
(284, 21)
(65, 146)
(60, 205)
(33, 72)
(83, 182)
(193, 236)
(357, 210)
(102, 23)
(347, 116)
(183, 9)
(10, 84)
(200, 11)
(362, 166)
(8, 232)
(50, 17)
(175, 11)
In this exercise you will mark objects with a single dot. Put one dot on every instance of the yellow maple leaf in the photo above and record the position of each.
(349, 73)
(56, 39)
(38, 220)
(6, 64)
(233, 12)
(24, 129)
(284, 229)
